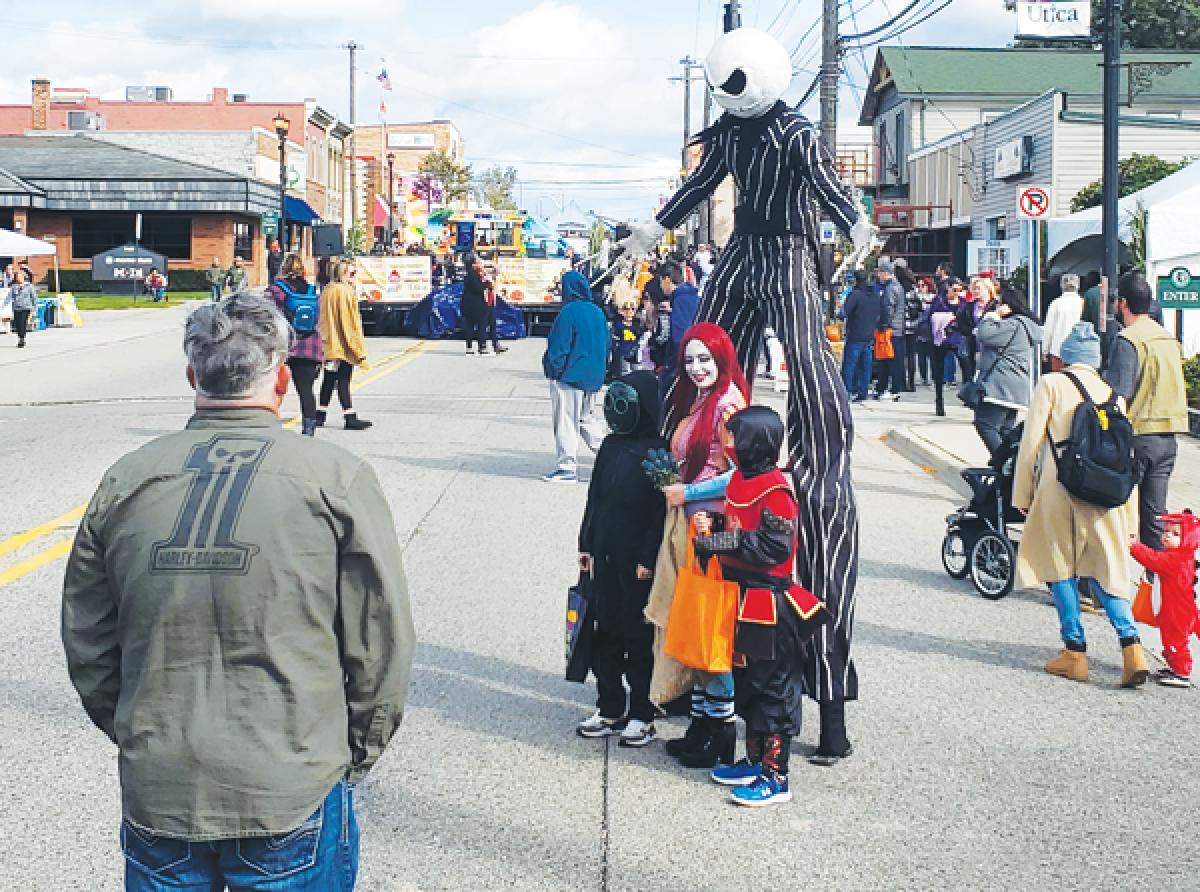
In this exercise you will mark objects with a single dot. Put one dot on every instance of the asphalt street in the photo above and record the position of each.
(973, 769)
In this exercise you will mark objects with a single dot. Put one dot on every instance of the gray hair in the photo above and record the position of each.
(234, 344)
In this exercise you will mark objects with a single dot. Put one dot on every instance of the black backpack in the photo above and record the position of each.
(1096, 463)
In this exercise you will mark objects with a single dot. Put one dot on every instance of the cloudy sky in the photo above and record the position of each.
(576, 96)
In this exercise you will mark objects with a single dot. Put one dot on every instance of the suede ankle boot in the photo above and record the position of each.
(321, 415)
(1136, 671)
(718, 745)
(1070, 664)
(354, 423)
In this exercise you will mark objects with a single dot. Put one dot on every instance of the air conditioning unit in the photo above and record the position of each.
(85, 120)
(163, 94)
(139, 94)
(240, 97)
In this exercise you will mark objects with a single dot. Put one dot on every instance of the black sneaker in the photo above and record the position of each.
(599, 726)
(1171, 679)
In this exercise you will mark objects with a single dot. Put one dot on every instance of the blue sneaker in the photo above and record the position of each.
(740, 773)
(764, 791)
(561, 476)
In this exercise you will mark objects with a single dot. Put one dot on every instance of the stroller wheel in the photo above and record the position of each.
(954, 555)
(993, 566)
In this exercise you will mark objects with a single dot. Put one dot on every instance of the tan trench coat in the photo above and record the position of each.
(341, 325)
(1064, 537)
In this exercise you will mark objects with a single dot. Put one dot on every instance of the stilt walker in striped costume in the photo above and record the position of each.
(769, 276)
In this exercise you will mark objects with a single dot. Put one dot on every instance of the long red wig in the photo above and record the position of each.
(684, 396)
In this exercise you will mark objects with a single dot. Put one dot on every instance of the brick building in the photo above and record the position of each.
(222, 132)
(84, 194)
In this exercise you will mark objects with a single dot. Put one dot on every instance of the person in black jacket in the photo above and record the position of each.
(618, 543)
(474, 304)
(862, 313)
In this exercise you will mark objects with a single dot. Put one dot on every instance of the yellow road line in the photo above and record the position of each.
(15, 572)
(42, 529)
(28, 566)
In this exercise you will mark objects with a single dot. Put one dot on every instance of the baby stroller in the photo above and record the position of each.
(977, 542)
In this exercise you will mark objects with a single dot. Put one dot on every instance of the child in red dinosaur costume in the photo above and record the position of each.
(1178, 617)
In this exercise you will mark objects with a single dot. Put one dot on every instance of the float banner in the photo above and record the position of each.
(1054, 19)
(404, 279)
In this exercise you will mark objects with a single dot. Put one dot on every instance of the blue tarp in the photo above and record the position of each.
(439, 316)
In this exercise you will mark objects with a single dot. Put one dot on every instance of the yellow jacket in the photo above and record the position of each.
(341, 325)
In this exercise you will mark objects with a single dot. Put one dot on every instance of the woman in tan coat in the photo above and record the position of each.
(1066, 539)
(341, 330)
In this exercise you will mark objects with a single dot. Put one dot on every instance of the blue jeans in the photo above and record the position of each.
(856, 367)
(321, 855)
(1066, 599)
(216, 292)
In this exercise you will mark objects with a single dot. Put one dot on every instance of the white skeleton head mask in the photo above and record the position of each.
(748, 71)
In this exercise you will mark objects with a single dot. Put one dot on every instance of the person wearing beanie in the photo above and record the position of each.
(1065, 539)
(1062, 314)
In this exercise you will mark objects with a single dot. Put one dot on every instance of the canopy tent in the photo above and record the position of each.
(13, 244)
(1172, 232)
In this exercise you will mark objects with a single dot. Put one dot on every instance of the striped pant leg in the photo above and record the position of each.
(820, 436)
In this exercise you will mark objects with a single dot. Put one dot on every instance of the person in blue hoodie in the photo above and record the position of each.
(575, 360)
(685, 301)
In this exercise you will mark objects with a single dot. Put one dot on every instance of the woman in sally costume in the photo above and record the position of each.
(755, 541)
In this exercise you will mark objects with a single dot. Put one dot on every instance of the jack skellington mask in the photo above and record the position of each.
(748, 71)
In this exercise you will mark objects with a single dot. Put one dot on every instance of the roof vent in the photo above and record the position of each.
(240, 97)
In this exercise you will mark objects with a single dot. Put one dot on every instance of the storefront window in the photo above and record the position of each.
(243, 241)
(504, 236)
(96, 233)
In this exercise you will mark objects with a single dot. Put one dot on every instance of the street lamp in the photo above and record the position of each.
(281, 129)
(391, 160)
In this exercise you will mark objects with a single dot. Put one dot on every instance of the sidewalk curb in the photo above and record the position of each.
(930, 457)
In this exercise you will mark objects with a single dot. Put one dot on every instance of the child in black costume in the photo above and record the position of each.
(756, 544)
(618, 542)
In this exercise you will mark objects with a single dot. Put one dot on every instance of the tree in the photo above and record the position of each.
(455, 178)
(1134, 173)
(494, 188)
(356, 240)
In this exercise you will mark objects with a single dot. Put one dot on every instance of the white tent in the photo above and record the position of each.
(1172, 233)
(13, 244)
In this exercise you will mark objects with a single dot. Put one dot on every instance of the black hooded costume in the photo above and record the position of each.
(622, 530)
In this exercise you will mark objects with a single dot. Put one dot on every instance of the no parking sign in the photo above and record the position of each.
(1033, 203)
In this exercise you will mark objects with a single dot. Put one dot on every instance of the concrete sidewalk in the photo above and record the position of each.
(945, 446)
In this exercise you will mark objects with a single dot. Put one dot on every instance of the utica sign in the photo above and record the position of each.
(1054, 19)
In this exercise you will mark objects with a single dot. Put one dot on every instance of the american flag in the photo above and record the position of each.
(383, 106)
(384, 79)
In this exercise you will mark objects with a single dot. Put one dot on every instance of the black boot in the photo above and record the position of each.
(308, 427)
(719, 746)
(697, 732)
(321, 417)
(939, 407)
(833, 745)
(354, 423)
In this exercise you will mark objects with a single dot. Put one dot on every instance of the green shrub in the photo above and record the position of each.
(1191, 375)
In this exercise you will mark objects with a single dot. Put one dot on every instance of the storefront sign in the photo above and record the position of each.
(1054, 19)
(411, 141)
(394, 279)
(1013, 158)
(1179, 290)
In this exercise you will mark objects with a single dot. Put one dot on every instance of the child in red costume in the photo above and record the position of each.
(1178, 617)
(755, 541)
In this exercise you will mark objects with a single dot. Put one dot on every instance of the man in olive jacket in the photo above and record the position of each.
(236, 620)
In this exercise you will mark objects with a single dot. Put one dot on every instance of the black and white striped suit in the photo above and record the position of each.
(768, 276)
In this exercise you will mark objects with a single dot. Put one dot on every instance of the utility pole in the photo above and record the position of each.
(706, 209)
(1112, 111)
(353, 47)
(688, 64)
(829, 100)
(829, 76)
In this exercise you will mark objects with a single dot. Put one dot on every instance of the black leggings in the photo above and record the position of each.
(21, 322)
(304, 376)
(341, 378)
